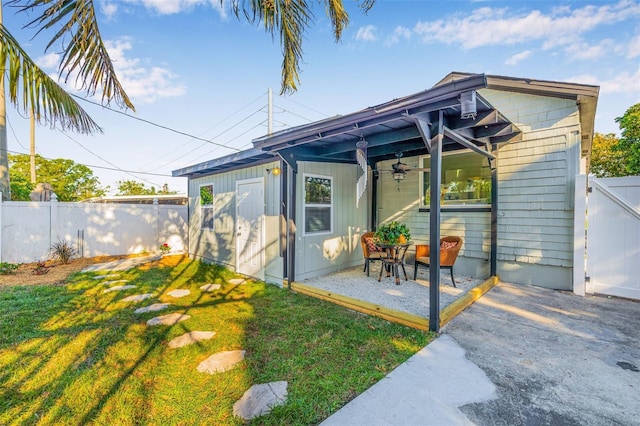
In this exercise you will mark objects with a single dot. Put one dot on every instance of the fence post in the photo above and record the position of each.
(53, 218)
(579, 229)
(156, 211)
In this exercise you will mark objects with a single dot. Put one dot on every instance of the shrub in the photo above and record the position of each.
(40, 269)
(7, 268)
(62, 251)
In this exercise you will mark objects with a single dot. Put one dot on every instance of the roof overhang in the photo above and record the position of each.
(585, 96)
(394, 127)
(227, 163)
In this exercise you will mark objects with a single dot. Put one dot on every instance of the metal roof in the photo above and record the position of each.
(227, 163)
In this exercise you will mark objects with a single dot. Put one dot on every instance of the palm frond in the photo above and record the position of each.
(85, 52)
(40, 93)
(291, 18)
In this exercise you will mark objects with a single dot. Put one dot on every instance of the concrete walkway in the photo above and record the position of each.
(521, 355)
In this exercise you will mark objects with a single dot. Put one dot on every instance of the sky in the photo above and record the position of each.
(199, 77)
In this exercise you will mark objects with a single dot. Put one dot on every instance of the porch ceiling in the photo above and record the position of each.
(393, 127)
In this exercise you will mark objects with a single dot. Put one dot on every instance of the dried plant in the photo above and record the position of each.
(40, 269)
(62, 251)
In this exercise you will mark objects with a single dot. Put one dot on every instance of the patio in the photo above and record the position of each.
(406, 303)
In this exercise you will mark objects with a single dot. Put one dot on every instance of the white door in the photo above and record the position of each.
(250, 227)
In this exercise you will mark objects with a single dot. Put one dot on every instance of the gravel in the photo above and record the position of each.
(410, 296)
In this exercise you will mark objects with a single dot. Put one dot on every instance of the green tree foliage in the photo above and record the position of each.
(70, 181)
(132, 187)
(630, 138)
(607, 159)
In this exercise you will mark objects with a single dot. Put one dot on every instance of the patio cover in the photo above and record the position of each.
(436, 120)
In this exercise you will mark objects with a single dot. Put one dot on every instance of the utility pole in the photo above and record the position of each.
(5, 187)
(270, 111)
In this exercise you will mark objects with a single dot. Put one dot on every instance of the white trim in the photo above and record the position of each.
(263, 235)
(304, 205)
(579, 228)
(201, 207)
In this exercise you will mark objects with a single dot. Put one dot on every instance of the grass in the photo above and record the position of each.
(72, 354)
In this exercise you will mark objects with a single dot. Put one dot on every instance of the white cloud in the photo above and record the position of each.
(625, 82)
(142, 84)
(584, 51)
(109, 9)
(366, 33)
(399, 33)
(515, 59)
(50, 60)
(633, 49)
(491, 26)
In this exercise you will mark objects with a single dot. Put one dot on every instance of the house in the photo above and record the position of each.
(492, 159)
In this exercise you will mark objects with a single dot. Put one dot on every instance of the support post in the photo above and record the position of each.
(434, 227)
(291, 227)
(493, 255)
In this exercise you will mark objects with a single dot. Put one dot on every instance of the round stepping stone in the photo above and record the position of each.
(137, 297)
(152, 308)
(169, 319)
(258, 400)
(191, 338)
(236, 281)
(119, 288)
(114, 282)
(100, 277)
(210, 287)
(220, 362)
(179, 293)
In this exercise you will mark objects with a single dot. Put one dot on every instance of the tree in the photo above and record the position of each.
(76, 33)
(132, 187)
(70, 181)
(630, 138)
(607, 159)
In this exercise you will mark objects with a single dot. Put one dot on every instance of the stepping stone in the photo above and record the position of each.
(237, 281)
(210, 287)
(179, 293)
(100, 277)
(169, 319)
(119, 288)
(152, 308)
(191, 338)
(220, 362)
(260, 399)
(114, 282)
(137, 297)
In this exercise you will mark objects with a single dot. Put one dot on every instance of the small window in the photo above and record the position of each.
(318, 204)
(206, 206)
(465, 180)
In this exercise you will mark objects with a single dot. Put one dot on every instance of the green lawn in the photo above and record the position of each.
(72, 354)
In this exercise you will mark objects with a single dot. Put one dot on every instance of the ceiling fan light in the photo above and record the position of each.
(398, 176)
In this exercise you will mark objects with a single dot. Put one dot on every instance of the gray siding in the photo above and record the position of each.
(219, 245)
(321, 254)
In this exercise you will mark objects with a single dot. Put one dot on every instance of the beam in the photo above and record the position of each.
(423, 126)
(466, 143)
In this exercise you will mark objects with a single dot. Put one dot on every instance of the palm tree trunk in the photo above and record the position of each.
(5, 187)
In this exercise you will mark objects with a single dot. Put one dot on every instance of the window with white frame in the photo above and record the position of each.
(465, 180)
(206, 206)
(318, 204)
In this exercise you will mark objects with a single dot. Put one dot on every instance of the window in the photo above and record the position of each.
(317, 204)
(206, 206)
(466, 180)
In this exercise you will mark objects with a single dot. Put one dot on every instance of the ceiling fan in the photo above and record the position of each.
(400, 169)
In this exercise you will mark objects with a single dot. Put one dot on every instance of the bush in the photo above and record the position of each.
(62, 251)
(7, 268)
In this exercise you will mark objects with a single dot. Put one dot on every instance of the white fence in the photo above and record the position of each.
(28, 229)
(613, 237)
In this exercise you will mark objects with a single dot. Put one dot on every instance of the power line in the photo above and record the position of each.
(97, 167)
(154, 124)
